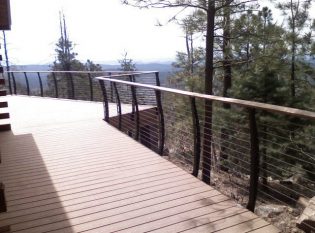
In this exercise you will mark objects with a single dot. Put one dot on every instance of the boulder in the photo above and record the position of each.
(270, 211)
(306, 222)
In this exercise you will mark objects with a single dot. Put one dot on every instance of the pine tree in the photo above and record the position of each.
(296, 13)
(127, 64)
(211, 9)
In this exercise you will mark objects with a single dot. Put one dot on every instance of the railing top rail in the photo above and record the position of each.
(118, 72)
(238, 102)
(130, 73)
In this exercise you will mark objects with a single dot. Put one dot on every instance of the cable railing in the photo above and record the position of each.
(77, 85)
(257, 153)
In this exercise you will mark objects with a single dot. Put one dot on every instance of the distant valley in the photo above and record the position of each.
(164, 69)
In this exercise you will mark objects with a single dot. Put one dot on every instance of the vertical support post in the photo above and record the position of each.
(196, 134)
(14, 83)
(9, 81)
(160, 115)
(27, 84)
(111, 89)
(131, 79)
(105, 101)
(72, 86)
(207, 142)
(40, 84)
(161, 122)
(56, 85)
(157, 79)
(118, 105)
(91, 87)
(254, 160)
(136, 108)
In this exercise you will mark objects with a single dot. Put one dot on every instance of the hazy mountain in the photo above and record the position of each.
(164, 69)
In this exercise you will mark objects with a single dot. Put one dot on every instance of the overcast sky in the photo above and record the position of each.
(101, 30)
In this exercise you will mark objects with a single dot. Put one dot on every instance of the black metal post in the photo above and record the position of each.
(91, 87)
(161, 122)
(197, 138)
(161, 115)
(131, 79)
(136, 108)
(118, 106)
(105, 101)
(56, 85)
(14, 83)
(157, 79)
(72, 86)
(40, 84)
(9, 81)
(254, 160)
(111, 89)
(27, 84)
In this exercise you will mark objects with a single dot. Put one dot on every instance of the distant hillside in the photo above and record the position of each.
(31, 68)
(165, 70)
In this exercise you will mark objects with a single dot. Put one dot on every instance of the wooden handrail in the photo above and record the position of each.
(238, 102)
(119, 72)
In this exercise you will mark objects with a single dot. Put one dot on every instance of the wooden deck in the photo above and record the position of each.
(66, 170)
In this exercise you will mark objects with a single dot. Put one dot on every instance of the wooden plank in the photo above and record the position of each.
(109, 202)
(84, 175)
(84, 216)
(33, 197)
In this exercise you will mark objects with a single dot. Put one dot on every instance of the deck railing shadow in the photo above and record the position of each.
(30, 187)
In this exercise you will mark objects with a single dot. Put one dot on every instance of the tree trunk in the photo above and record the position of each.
(293, 71)
(227, 83)
(206, 163)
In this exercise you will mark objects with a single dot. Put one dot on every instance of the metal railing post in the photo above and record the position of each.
(14, 83)
(160, 115)
(27, 84)
(56, 85)
(135, 110)
(72, 86)
(9, 81)
(105, 101)
(196, 135)
(254, 160)
(161, 122)
(91, 87)
(40, 84)
(132, 79)
(157, 79)
(118, 106)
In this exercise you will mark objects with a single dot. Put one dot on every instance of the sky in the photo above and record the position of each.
(102, 31)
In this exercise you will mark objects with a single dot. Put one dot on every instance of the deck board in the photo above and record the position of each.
(66, 170)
